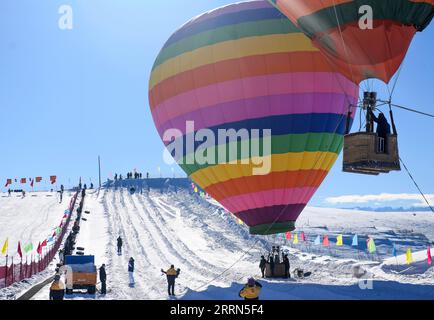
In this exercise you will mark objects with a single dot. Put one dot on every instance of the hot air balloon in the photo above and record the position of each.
(362, 39)
(246, 67)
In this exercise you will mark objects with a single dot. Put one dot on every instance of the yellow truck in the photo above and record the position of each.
(84, 274)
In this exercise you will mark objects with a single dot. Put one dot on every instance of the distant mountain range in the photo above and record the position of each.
(392, 209)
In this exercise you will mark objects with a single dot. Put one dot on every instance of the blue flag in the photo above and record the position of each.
(317, 241)
(355, 241)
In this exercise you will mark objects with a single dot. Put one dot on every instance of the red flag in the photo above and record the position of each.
(39, 250)
(61, 225)
(31, 183)
(20, 253)
(54, 234)
(326, 242)
(53, 179)
(303, 237)
(288, 235)
(38, 179)
(8, 182)
(23, 180)
(44, 243)
(429, 256)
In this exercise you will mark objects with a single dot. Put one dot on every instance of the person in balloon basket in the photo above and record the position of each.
(383, 127)
(171, 275)
(262, 266)
(131, 272)
(251, 290)
(57, 289)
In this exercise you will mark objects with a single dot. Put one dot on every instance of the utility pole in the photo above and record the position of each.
(99, 171)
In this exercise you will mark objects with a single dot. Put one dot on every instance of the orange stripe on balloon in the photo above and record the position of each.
(275, 180)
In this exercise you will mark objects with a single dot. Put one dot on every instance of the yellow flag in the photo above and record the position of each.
(409, 256)
(240, 222)
(296, 239)
(5, 247)
(340, 241)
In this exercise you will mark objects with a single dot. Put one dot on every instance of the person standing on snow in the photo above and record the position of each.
(287, 266)
(262, 266)
(103, 279)
(251, 290)
(131, 271)
(119, 243)
(57, 289)
(171, 274)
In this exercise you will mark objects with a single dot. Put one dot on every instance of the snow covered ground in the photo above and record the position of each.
(30, 220)
(171, 225)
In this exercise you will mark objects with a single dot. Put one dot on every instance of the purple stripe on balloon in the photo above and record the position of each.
(255, 108)
(268, 198)
(229, 9)
(252, 87)
(268, 215)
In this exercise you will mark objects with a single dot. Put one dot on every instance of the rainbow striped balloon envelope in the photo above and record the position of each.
(251, 111)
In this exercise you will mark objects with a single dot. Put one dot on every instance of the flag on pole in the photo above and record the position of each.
(429, 256)
(372, 248)
(340, 240)
(53, 179)
(355, 241)
(44, 243)
(5, 247)
(28, 248)
(394, 251)
(317, 241)
(409, 256)
(303, 237)
(326, 241)
(20, 253)
(288, 236)
(296, 239)
(31, 183)
(8, 182)
(39, 249)
(23, 180)
(58, 230)
(38, 179)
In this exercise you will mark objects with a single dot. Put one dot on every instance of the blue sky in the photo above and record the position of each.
(67, 96)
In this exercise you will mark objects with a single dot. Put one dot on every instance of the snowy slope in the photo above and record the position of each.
(170, 225)
(29, 219)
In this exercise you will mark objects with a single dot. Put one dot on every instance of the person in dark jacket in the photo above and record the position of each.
(271, 262)
(57, 289)
(263, 265)
(251, 290)
(103, 279)
(131, 271)
(383, 127)
(171, 275)
(287, 266)
(119, 244)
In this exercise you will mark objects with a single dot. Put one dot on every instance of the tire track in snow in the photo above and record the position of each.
(222, 278)
(167, 250)
(123, 228)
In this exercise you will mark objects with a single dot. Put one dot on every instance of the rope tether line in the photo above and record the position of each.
(417, 185)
